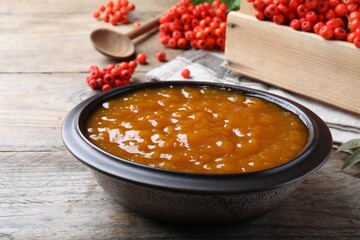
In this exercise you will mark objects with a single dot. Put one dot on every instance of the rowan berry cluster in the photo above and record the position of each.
(114, 12)
(201, 27)
(111, 76)
(331, 19)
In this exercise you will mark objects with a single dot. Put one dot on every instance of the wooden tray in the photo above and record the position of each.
(301, 62)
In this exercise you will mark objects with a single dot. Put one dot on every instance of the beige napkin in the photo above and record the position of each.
(207, 66)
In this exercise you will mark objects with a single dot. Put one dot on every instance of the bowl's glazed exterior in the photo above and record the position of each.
(194, 207)
(192, 197)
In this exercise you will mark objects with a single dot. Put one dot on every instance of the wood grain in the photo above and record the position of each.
(45, 193)
(50, 195)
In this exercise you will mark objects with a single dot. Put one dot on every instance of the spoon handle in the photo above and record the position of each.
(146, 27)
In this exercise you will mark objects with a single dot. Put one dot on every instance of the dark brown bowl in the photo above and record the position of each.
(193, 197)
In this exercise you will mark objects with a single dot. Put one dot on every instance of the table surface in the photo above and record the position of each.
(45, 193)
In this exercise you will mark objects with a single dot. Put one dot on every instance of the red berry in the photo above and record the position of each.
(341, 10)
(106, 87)
(351, 37)
(258, 5)
(318, 26)
(290, 15)
(161, 56)
(354, 14)
(354, 24)
(335, 23)
(176, 35)
(136, 24)
(101, 8)
(333, 3)
(302, 10)
(96, 14)
(200, 35)
(110, 66)
(125, 74)
(259, 15)
(182, 43)
(115, 72)
(185, 73)
(306, 26)
(295, 24)
(326, 32)
(131, 7)
(93, 84)
(357, 42)
(279, 19)
(164, 27)
(164, 40)
(108, 79)
(210, 43)
(123, 66)
(94, 72)
(201, 44)
(312, 17)
(340, 33)
(189, 35)
(311, 4)
(141, 58)
(186, 18)
(283, 8)
(132, 64)
(220, 42)
(293, 4)
(330, 14)
(322, 7)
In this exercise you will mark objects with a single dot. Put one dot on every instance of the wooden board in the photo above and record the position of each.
(301, 62)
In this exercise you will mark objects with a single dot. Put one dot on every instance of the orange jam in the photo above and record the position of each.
(197, 129)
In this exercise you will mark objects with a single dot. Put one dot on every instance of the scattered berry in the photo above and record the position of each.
(185, 73)
(141, 58)
(96, 14)
(136, 24)
(161, 56)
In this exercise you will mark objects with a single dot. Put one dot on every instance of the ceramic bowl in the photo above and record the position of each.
(194, 197)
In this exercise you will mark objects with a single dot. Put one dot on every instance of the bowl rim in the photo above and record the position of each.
(312, 157)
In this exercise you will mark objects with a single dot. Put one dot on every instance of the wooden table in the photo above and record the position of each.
(45, 193)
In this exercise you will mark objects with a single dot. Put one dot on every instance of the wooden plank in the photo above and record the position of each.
(61, 37)
(50, 195)
(32, 113)
(69, 50)
(301, 62)
(247, 8)
(79, 6)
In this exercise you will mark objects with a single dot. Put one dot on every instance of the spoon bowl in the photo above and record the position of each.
(117, 45)
(112, 44)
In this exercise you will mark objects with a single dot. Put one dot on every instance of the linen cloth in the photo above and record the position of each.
(208, 66)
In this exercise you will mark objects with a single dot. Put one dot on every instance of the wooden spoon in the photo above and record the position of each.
(117, 45)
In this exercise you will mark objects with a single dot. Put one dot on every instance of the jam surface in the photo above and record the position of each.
(197, 129)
